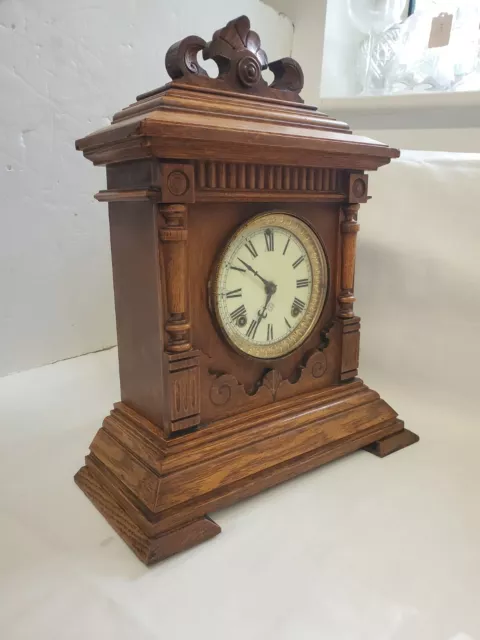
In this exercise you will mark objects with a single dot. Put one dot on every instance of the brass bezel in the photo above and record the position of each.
(320, 284)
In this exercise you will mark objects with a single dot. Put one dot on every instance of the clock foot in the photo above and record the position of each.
(390, 444)
(149, 548)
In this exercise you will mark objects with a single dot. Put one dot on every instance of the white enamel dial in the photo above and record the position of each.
(270, 285)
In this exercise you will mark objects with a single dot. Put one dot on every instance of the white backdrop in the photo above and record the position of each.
(66, 66)
(418, 277)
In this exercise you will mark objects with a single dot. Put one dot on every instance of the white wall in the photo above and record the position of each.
(308, 17)
(448, 140)
(65, 67)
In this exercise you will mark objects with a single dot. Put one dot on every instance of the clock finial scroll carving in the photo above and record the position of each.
(240, 58)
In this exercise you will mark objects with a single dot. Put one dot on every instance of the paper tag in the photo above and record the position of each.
(440, 31)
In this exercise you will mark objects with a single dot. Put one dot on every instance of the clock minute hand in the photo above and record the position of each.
(255, 273)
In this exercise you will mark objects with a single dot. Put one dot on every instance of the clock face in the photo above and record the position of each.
(270, 285)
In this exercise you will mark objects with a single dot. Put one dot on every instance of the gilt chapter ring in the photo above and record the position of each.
(249, 71)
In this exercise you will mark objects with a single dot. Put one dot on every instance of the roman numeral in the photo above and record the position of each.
(286, 246)
(252, 329)
(298, 306)
(304, 282)
(269, 240)
(238, 269)
(239, 311)
(235, 293)
(298, 261)
(269, 331)
(287, 323)
(251, 248)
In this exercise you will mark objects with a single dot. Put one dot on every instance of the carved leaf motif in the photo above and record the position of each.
(236, 50)
(236, 36)
(272, 381)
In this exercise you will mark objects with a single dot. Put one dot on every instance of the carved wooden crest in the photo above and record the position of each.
(240, 58)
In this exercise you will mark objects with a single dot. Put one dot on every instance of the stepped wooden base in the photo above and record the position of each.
(156, 492)
(395, 442)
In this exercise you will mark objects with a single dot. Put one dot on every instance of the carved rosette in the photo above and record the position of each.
(357, 188)
(174, 239)
(349, 228)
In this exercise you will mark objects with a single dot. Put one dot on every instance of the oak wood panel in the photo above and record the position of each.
(139, 304)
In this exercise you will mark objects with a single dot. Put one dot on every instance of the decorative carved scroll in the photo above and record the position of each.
(349, 229)
(224, 391)
(181, 58)
(288, 75)
(174, 239)
(226, 388)
(240, 59)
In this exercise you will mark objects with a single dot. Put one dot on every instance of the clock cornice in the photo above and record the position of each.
(195, 116)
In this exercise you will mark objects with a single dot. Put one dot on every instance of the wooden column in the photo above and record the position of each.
(357, 193)
(182, 384)
(174, 248)
(349, 228)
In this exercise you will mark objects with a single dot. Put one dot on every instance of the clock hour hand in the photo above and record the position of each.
(262, 314)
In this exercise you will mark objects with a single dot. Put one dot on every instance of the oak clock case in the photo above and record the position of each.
(269, 285)
(230, 202)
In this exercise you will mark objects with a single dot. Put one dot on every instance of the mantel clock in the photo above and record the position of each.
(233, 218)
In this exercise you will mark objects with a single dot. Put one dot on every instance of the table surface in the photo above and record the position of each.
(360, 549)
